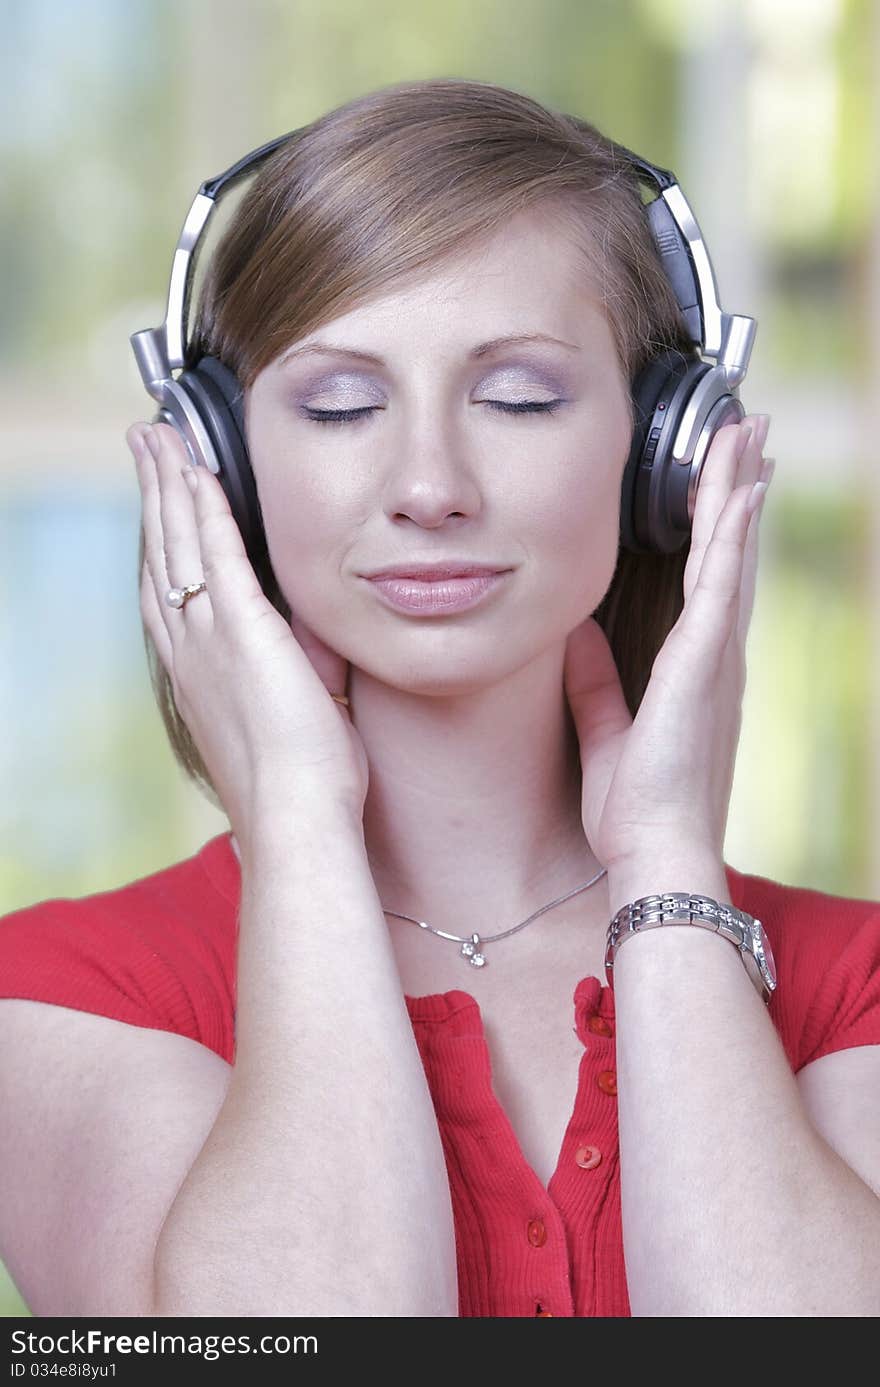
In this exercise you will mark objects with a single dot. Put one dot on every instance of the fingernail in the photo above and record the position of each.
(152, 441)
(135, 440)
(767, 470)
(742, 440)
(189, 476)
(756, 497)
(762, 427)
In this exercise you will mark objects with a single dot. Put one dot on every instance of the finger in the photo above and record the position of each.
(331, 667)
(752, 462)
(151, 520)
(180, 537)
(593, 688)
(154, 622)
(750, 562)
(750, 471)
(710, 614)
(134, 436)
(730, 466)
(231, 581)
(717, 481)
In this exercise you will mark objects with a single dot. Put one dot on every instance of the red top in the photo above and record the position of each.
(160, 952)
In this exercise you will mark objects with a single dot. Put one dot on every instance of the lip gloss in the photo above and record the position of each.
(438, 596)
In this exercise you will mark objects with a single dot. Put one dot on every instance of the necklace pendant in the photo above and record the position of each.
(470, 950)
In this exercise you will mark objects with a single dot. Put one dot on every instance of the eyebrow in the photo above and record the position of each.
(483, 349)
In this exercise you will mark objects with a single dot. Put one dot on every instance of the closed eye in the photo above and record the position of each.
(353, 416)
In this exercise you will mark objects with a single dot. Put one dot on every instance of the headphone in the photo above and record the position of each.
(680, 401)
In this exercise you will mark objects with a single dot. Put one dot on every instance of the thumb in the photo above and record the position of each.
(331, 667)
(594, 691)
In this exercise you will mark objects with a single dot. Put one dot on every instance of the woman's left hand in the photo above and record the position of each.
(667, 773)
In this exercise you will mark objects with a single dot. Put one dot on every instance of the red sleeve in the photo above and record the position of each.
(845, 1008)
(159, 952)
(60, 951)
(827, 952)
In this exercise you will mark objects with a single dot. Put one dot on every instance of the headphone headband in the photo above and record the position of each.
(679, 399)
(726, 338)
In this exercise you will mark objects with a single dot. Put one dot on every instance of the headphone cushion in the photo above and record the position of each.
(653, 498)
(217, 394)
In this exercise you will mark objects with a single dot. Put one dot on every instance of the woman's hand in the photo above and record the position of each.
(666, 776)
(253, 690)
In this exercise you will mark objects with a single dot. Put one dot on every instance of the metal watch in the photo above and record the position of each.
(688, 908)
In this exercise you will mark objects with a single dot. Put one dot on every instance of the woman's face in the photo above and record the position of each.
(431, 471)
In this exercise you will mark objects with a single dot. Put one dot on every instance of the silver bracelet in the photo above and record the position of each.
(689, 908)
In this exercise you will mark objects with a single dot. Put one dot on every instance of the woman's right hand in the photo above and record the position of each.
(254, 695)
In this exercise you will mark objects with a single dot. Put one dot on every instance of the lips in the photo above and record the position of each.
(431, 573)
(437, 596)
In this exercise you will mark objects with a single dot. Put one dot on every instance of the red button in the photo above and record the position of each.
(588, 1157)
(599, 1026)
(607, 1081)
(537, 1233)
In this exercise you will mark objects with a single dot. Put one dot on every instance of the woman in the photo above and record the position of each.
(273, 1092)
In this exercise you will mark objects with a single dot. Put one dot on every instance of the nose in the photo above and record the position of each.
(432, 476)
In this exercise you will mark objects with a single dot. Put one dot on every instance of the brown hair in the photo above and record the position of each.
(388, 186)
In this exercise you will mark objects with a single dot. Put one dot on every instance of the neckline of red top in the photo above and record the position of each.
(458, 1008)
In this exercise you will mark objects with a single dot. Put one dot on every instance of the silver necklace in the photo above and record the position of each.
(471, 947)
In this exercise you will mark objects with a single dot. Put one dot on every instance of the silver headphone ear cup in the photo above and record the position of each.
(667, 485)
(180, 411)
(214, 397)
(680, 403)
(712, 414)
(644, 525)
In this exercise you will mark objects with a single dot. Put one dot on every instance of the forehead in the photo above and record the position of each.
(530, 248)
(528, 276)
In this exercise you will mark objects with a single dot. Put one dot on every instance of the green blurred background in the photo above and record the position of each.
(113, 115)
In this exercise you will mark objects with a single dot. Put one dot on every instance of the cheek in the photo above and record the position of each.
(302, 517)
(576, 510)
(575, 530)
(300, 534)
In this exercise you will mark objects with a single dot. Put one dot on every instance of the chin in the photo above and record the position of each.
(434, 669)
(425, 681)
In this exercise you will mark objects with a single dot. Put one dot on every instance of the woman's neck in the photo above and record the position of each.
(474, 800)
(473, 807)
